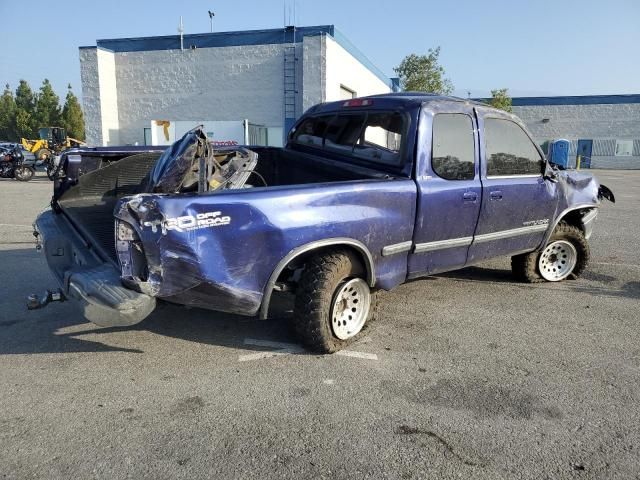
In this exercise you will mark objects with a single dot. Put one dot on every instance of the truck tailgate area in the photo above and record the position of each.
(85, 277)
(89, 204)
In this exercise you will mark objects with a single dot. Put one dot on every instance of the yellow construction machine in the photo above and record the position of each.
(51, 142)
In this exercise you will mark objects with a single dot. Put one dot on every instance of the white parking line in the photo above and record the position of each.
(365, 356)
(262, 355)
(282, 349)
(632, 265)
(15, 225)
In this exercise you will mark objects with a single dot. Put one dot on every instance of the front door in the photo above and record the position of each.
(585, 148)
(518, 203)
(449, 190)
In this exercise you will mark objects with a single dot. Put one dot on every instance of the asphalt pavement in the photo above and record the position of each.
(465, 375)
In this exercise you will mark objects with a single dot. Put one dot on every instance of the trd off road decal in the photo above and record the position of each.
(189, 223)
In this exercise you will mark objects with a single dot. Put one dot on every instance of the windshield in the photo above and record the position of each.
(376, 137)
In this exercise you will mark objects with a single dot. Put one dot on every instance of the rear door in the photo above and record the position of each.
(449, 189)
(517, 202)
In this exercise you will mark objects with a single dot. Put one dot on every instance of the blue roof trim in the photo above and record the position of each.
(345, 43)
(574, 100)
(218, 39)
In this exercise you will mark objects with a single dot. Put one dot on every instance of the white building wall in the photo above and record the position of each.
(124, 91)
(342, 68)
(224, 83)
(314, 67)
(91, 95)
(99, 96)
(108, 98)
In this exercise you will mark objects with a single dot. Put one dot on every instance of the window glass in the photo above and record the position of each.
(381, 139)
(343, 131)
(312, 130)
(375, 137)
(453, 149)
(509, 150)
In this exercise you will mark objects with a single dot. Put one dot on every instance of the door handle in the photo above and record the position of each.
(496, 195)
(470, 197)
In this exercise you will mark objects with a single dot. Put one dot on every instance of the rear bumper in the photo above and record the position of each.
(94, 283)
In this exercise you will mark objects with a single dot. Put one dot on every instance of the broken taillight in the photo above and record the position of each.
(125, 232)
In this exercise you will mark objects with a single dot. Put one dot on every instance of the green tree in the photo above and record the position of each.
(72, 117)
(423, 73)
(500, 99)
(47, 108)
(25, 111)
(7, 115)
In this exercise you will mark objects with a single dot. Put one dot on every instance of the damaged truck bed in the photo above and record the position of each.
(367, 194)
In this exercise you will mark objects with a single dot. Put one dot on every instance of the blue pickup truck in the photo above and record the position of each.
(367, 194)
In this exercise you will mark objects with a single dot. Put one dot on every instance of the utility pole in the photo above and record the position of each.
(211, 15)
(181, 32)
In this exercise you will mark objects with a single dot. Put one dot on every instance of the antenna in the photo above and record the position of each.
(211, 15)
(181, 32)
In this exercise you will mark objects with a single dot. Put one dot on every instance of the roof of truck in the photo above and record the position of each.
(404, 99)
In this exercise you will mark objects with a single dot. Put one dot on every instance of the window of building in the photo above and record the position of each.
(346, 93)
(452, 155)
(509, 150)
(624, 148)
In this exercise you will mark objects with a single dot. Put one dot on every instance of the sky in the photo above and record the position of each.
(541, 47)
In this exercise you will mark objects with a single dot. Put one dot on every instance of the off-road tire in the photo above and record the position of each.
(525, 266)
(43, 154)
(321, 278)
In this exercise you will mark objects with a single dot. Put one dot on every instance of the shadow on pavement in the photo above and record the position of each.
(480, 273)
(60, 327)
(592, 283)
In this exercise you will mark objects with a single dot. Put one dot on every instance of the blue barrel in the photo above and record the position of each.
(560, 154)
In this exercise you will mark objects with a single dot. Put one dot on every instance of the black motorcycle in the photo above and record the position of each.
(13, 165)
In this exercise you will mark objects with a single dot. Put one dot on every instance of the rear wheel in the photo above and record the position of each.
(566, 255)
(23, 174)
(333, 302)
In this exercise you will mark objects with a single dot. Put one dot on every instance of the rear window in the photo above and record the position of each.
(375, 137)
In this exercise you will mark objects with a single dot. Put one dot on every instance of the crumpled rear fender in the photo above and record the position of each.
(219, 251)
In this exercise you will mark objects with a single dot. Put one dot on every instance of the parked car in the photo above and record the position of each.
(367, 194)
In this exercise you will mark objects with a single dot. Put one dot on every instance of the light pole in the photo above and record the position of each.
(211, 15)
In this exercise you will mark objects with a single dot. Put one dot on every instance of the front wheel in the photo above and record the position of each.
(566, 255)
(333, 302)
(23, 174)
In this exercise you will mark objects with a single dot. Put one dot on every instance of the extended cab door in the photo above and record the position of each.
(518, 203)
(449, 189)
